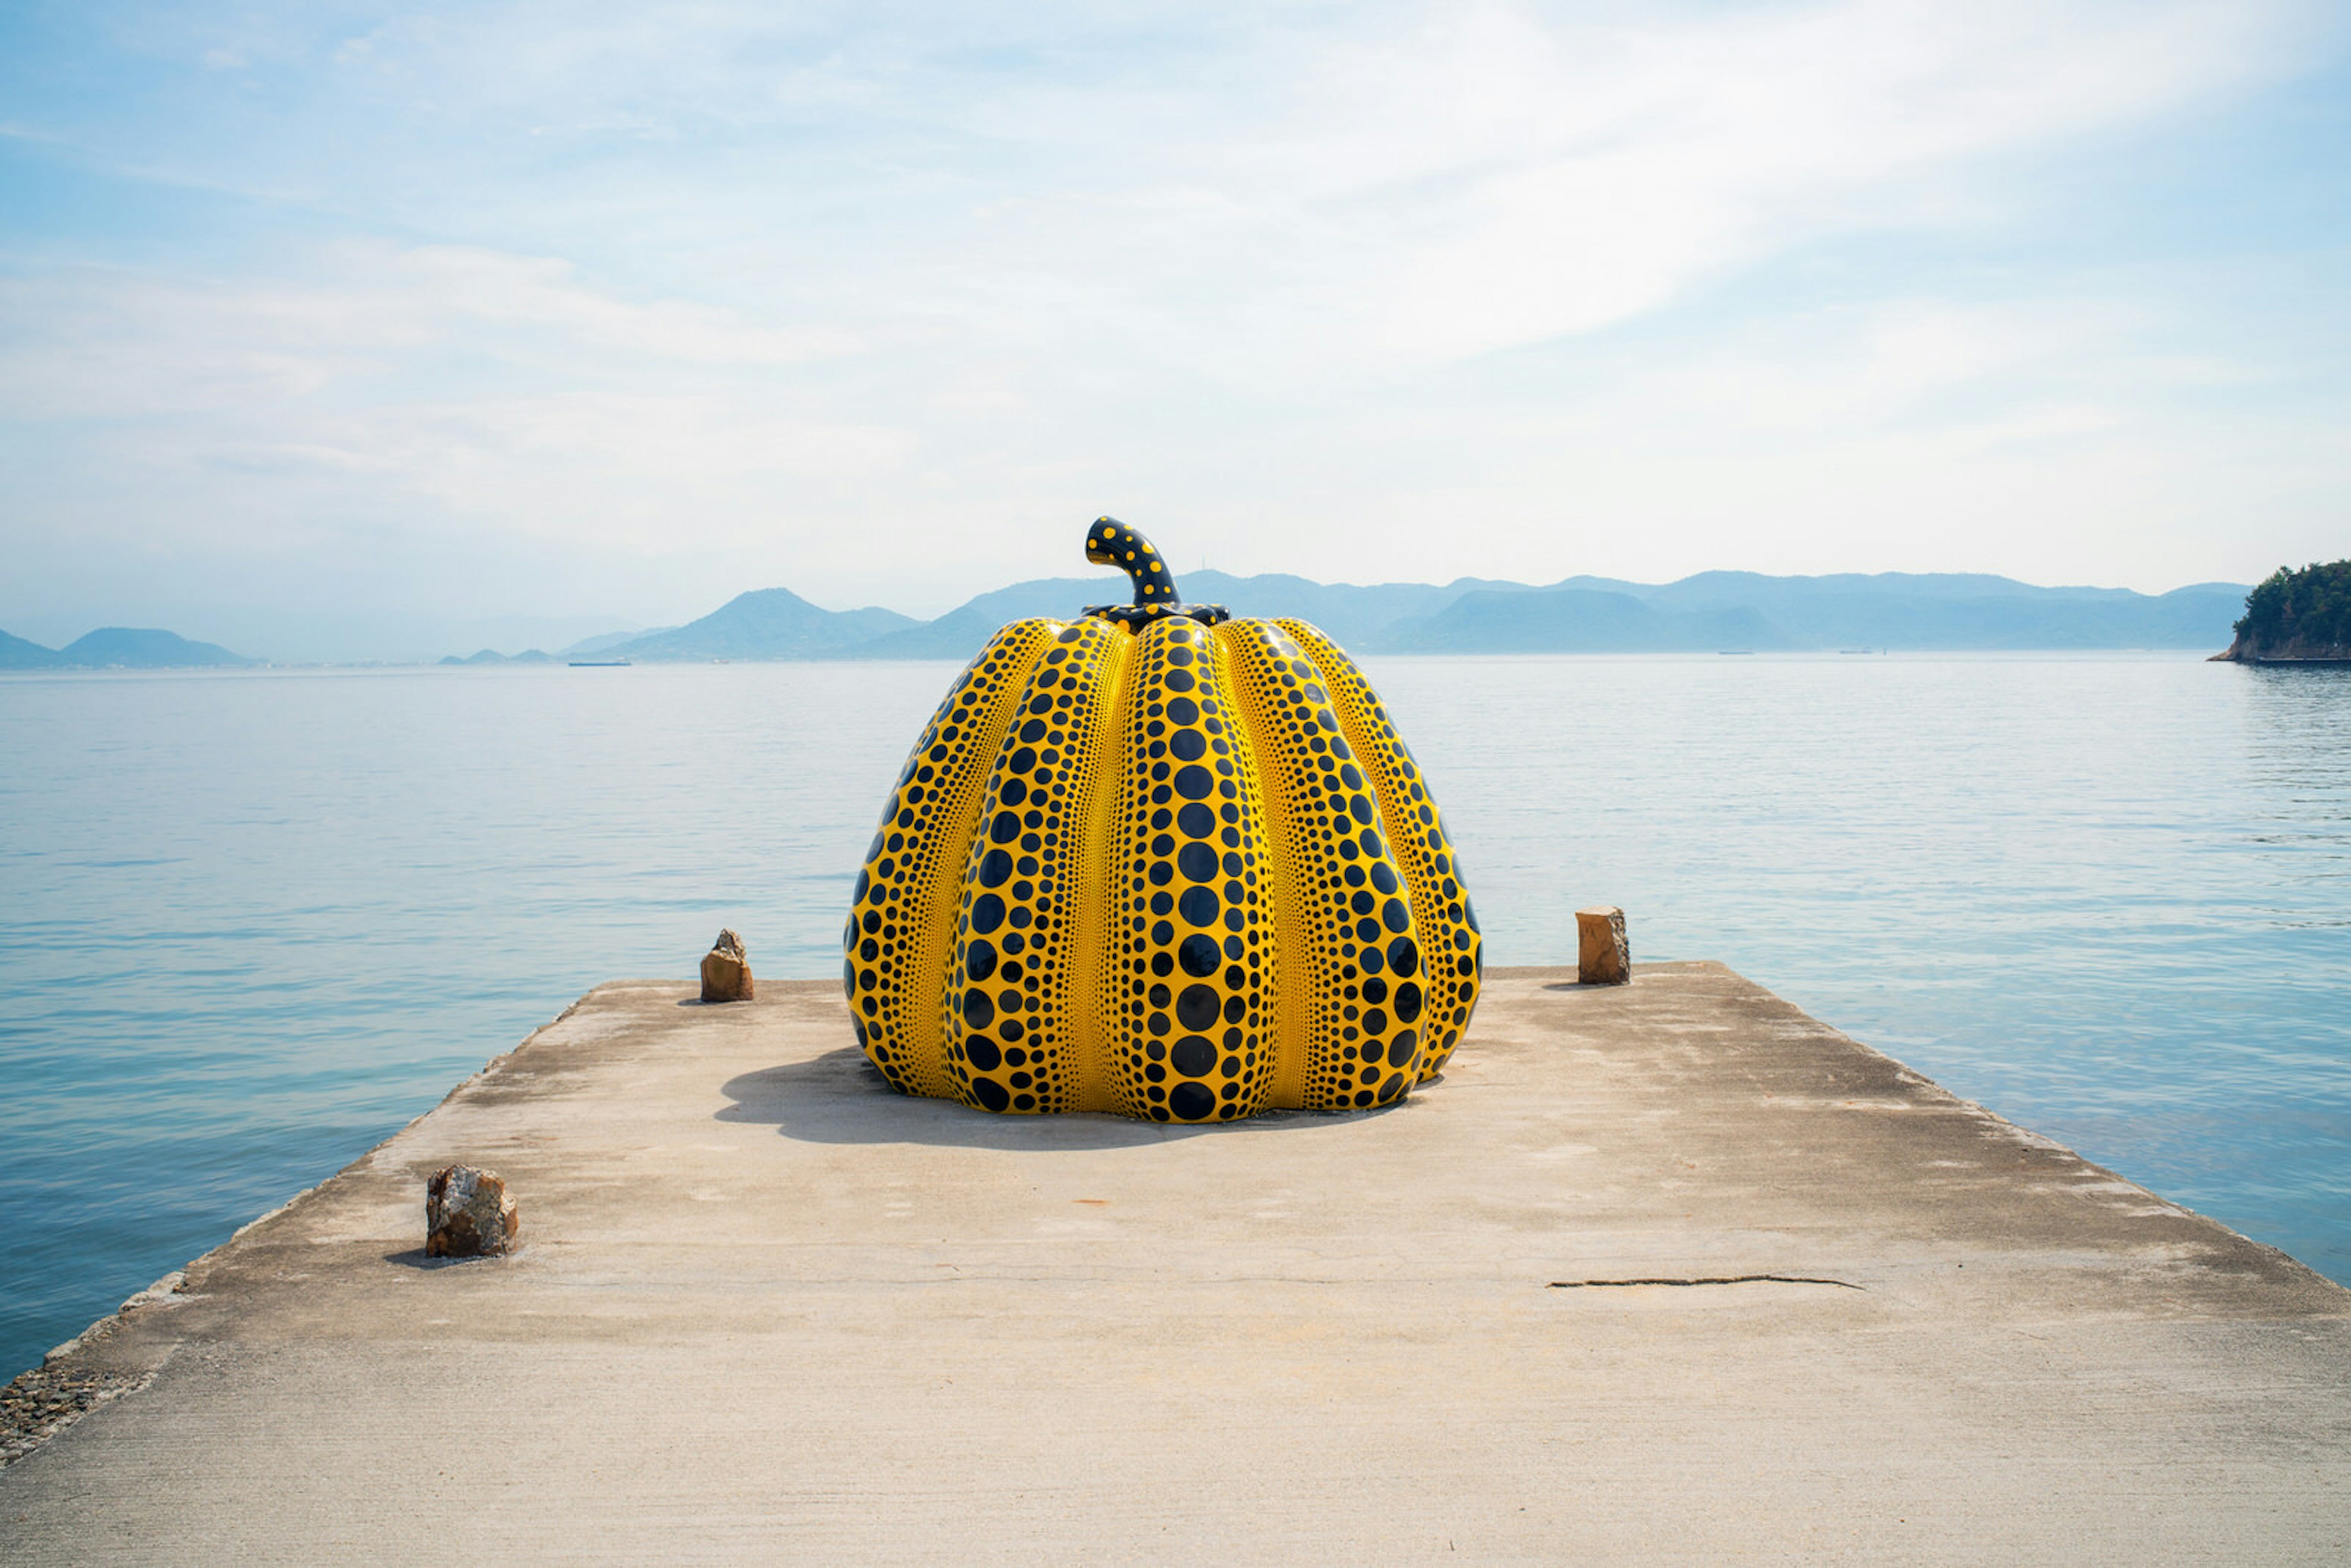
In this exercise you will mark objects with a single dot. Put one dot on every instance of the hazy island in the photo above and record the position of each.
(2297, 618)
(119, 648)
(2294, 616)
(1713, 612)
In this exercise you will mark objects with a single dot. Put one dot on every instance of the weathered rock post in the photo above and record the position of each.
(1603, 957)
(727, 970)
(468, 1213)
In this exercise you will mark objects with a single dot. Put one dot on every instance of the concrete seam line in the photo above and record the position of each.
(1722, 1279)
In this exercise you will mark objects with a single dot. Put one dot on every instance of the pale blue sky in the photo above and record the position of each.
(619, 309)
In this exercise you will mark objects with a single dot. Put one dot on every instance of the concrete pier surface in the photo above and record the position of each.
(1667, 1273)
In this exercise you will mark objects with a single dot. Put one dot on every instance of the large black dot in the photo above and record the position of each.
(1198, 1005)
(978, 1010)
(983, 1052)
(1200, 906)
(1005, 828)
(991, 1093)
(1372, 961)
(1188, 745)
(1184, 710)
(1383, 878)
(1197, 862)
(1395, 915)
(987, 913)
(1013, 792)
(1195, 782)
(1400, 1049)
(1375, 1022)
(1403, 956)
(1196, 820)
(996, 870)
(1191, 1101)
(1199, 956)
(1193, 1057)
(1408, 1002)
(980, 961)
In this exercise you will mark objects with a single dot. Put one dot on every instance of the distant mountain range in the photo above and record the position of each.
(117, 647)
(1715, 612)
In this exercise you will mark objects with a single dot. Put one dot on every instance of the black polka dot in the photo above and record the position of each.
(1198, 1007)
(991, 1093)
(1199, 954)
(1192, 1056)
(1191, 1102)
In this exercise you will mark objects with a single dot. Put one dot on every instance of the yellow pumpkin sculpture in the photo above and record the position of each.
(1162, 862)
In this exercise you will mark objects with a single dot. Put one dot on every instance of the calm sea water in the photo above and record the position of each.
(252, 923)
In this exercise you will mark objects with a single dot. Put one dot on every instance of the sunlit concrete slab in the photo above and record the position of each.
(1667, 1273)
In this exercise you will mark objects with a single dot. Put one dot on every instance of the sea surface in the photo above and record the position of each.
(252, 923)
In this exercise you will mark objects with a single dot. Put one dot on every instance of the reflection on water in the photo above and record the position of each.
(257, 921)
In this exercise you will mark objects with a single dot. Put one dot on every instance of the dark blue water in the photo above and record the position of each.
(252, 923)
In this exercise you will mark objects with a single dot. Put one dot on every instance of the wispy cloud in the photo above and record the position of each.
(562, 276)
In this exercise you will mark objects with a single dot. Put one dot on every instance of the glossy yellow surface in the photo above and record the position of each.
(1182, 872)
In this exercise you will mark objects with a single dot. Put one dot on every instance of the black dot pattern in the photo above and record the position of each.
(1016, 1006)
(901, 922)
(1438, 1000)
(1174, 868)
(1190, 1019)
(1345, 914)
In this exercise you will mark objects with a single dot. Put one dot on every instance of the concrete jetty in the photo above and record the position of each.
(1666, 1272)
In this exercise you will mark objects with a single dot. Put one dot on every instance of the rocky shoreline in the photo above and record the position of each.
(2244, 650)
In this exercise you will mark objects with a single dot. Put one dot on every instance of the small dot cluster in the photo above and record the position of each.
(1452, 949)
(1191, 993)
(1007, 1012)
(896, 939)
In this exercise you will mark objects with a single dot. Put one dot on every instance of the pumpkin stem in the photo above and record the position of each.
(1111, 543)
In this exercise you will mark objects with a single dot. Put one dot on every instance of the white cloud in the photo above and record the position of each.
(1442, 290)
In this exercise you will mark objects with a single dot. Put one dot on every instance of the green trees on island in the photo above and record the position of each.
(2298, 614)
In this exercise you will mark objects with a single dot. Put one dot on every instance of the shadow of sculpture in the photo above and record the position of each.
(841, 1098)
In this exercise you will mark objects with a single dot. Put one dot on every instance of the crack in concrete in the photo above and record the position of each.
(1717, 1280)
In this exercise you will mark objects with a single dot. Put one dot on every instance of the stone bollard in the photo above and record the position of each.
(727, 970)
(1603, 955)
(467, 1214)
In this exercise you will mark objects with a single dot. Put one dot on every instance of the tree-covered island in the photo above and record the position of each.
(2297, 616)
